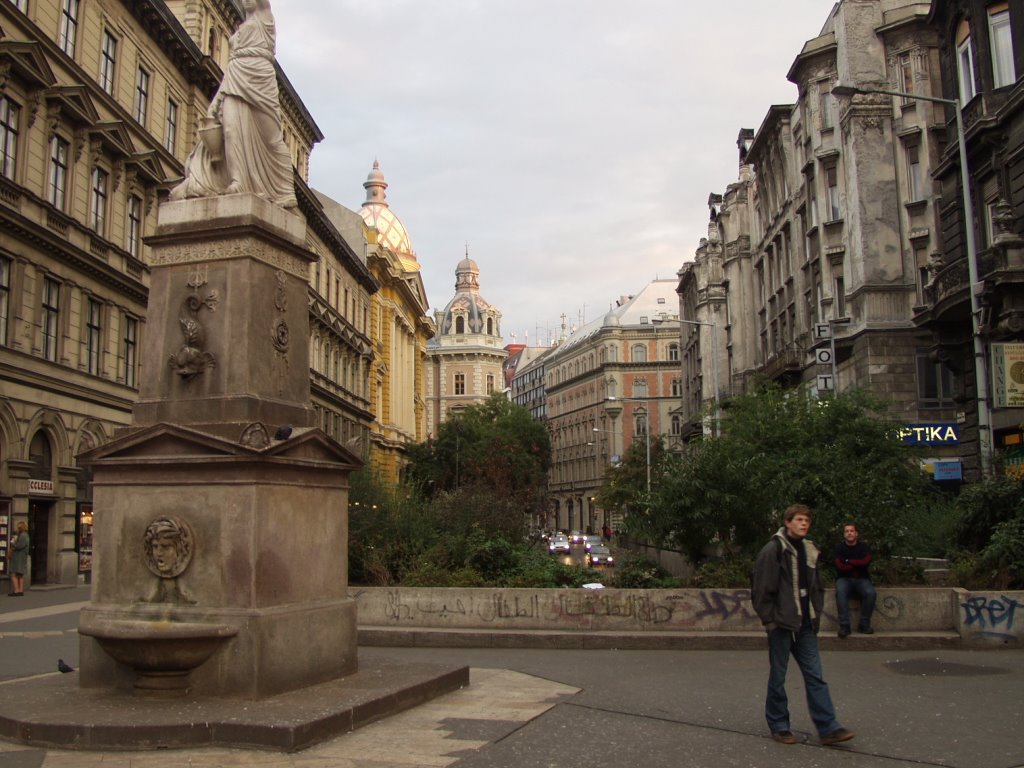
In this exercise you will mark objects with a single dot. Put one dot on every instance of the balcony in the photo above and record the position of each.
(784, 364)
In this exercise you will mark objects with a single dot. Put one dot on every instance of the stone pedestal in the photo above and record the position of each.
(221, 514)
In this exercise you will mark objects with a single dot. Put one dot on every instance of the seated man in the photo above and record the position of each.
(853, 560)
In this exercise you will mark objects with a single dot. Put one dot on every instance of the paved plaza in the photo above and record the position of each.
(605, 709)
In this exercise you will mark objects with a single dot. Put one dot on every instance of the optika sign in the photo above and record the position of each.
(40, 486)
(930, 434)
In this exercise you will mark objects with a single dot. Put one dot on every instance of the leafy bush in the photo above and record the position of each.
(636, 572)
(733, 573)
(1003, 556)
(897, 572)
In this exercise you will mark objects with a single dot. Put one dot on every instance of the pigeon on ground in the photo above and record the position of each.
(64, 667)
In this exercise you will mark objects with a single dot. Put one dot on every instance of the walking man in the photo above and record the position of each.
(788, 596)
(853, 559)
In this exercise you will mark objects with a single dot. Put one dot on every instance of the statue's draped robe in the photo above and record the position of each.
(256, 158)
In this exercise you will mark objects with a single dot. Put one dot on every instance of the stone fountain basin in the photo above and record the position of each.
(158, 645)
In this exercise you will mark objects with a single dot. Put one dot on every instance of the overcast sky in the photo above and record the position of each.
(572, 144)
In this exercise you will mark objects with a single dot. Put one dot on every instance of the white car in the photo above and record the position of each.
(559, 543)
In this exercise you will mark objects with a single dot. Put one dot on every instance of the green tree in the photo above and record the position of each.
(495, 445)
(840, 455)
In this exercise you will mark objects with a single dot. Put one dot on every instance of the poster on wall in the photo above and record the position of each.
(1008, 375)
(5, 534)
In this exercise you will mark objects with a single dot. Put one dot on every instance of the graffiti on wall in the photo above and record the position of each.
(991, 616)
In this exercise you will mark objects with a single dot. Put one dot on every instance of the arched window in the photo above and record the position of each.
(639, 353)
(490, 326)
(41, 455)
(460, 324)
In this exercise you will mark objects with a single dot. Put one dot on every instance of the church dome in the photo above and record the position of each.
(378, 216)
(468, 311)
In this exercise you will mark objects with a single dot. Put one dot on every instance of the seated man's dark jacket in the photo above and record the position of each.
(776, 591)
(853, 562)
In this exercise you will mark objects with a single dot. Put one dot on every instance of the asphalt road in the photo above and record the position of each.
(959, 709)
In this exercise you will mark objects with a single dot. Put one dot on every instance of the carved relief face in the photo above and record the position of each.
(168, 547)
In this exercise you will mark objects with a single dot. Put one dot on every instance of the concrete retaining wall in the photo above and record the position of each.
(990, 619)
(983, 617)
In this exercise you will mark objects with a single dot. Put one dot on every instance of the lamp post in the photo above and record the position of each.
(647, 430)
(714, 367)
(980, 369)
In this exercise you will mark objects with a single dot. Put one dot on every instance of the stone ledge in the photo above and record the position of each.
(55, 712)
(648, 640)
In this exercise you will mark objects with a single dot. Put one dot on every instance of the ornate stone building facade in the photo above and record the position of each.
(400, 328)
(981, 60)
(466, 357)
(833, 228)
(99, 103)
(611, 383)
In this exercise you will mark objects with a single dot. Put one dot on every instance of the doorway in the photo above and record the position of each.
(39, 538)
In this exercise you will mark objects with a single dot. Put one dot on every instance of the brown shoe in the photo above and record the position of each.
(784, 737)
(841, 734)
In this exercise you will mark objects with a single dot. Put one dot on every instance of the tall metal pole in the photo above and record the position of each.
(980, 367)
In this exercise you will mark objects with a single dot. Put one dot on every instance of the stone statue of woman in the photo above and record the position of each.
(242, 147)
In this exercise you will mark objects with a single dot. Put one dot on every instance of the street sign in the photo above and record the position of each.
(823, 356)
(822, 331)
(825, 382)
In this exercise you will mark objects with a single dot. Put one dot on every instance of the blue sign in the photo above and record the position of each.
(948, 470)
(930, 434)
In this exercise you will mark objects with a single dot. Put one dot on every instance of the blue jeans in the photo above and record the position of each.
(803, 645)
(862, 588)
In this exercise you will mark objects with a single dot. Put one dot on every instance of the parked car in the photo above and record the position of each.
(592, 541)
(599, 554)
(559, 543)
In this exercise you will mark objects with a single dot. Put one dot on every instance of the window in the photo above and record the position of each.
(832, 186)
(840, 298)
(825, 106)
(639, 353)
(460, 383)
(5, 297)
(21, 5)
(965, 63)
(677, 426)
(1003, 71)
(93, 328)
(68, 26)
(141, 95)
(677, 387)
(171, 127)
(915, 173)
(98, 207)
(56, 193)
(108, 60)
(640, 424)
(673, 351)
(9, 112)
(51, 317)
(490, 326)
(134, 240)
(131, 340)
(460, 325)
(812, 203)
(905, 75)
(936, 384)
(490, 383)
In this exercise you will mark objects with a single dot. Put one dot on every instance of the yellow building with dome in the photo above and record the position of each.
(400, 329)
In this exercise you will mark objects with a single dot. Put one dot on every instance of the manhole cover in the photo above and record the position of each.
(940, 668)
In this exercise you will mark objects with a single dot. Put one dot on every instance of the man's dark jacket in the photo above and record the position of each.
(853, 562)
(776, 584)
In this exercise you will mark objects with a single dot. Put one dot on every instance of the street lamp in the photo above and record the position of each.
(980, 369)
(647, 430)
(714, 366)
